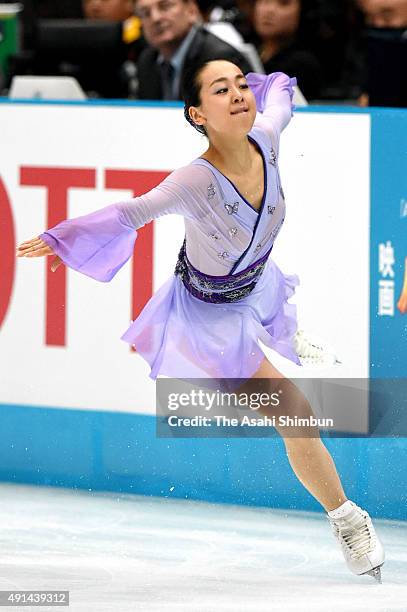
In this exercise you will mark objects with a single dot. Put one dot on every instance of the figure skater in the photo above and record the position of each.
(226, 292)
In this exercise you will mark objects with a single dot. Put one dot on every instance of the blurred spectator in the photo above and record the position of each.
(175, 39)
(385, 13)
(280, 27)
(385, 77)
(109, 10)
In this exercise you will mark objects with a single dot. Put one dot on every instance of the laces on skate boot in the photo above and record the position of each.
(312, 352)
(357, 536)
(360, 545)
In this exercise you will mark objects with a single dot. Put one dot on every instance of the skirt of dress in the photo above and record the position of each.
(183, 337)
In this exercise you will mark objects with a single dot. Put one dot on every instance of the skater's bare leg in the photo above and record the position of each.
(315, 469)
(307, 454)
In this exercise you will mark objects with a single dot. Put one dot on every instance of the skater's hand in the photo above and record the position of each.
(36, 247)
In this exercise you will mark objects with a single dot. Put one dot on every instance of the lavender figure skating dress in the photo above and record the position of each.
(226, 293)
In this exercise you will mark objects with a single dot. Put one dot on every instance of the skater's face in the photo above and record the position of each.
(227, 104)
(166, 22)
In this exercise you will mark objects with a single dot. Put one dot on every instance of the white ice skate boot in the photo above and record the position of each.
(312, 352)
(360, 544)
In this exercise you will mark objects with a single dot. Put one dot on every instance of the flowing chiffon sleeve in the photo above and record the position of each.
(274, 94)
(100, 243)
(97, 244)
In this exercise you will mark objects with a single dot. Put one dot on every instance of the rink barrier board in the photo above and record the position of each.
(119, 452)
(388, 206)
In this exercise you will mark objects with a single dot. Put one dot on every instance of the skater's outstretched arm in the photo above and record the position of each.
(274, 94)
(99, 244)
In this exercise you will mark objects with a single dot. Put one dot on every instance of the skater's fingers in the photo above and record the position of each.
(39, 252)
(31, 241)
(28, 244)
(34, 248)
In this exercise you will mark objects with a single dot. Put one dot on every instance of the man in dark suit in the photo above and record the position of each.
(175, 39)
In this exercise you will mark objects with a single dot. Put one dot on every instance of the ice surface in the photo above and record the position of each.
(128, 552)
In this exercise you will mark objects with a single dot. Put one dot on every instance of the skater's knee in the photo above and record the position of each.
(290, 409)
(294, 417)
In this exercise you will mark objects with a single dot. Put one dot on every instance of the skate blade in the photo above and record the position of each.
(376, 574)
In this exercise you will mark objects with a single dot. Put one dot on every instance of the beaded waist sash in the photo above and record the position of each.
(218, 289)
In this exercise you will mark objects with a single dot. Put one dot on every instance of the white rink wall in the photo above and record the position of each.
(325, 241)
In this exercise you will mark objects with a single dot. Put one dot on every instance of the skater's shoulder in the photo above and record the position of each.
(193, 172)
(194, 176)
